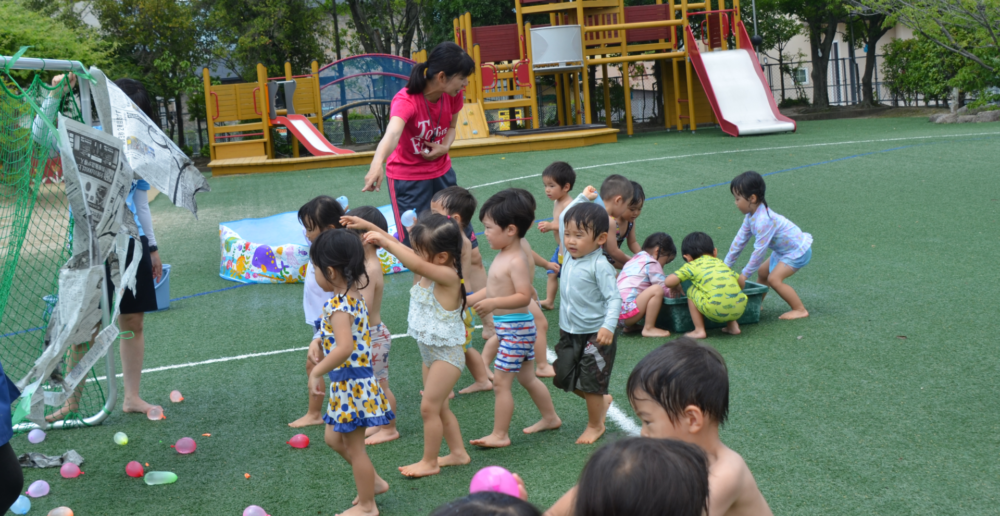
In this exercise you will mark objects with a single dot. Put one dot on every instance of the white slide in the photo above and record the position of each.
(737, 90)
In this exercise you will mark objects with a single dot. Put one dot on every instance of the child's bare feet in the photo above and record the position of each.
(383, 435)
(732, 328)
(136, 405)
(477, 387)
(547, 305)
(372, 430)
(697, 334)
(794, 314)
(655, 332)
(420, 469)
(545, 370)
(492, 441)
(381, 487)
(591, 434)
(543, 425)
(454, 459)
(358, 510)
(71, 407)
(307, 420)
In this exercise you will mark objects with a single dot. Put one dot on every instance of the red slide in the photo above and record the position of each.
(306, 133)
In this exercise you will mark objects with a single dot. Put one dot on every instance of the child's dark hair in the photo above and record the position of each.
(615, 185)
(697, 244)
(560, 172)
(446, 57)
(663, 244)
(487, 503)
(589, 216)
(510, 207)
(435, 233)
(342, 250)
(747, 184)
(457, 201)
(321, 212)
(370, 214)
(140, 97)
(641, 476)
(638, 195)
(683, 372)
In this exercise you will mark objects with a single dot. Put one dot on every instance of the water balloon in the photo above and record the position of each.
(61, 511)
(21, 506)
(155, 413)
(494, 478)
(38, 489)
(36, 436)
(121, 439)
(175, 396)
(254, 510)
(408, 218)
(70, 470)
(155, 478)
(185, 445)
(134, 469)
(299, 441)
(343, 201)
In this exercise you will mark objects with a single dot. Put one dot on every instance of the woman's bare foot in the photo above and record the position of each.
(477, 387)
(136, 405)
(655, 332)
(420, 469)
(543, 425)
(384, 435)
(591, 435)
(491, 441)
(547, 305)
(454, 459)
(696, 334)
(794, 314)
(732, 328)
(71, 407)
(358, 510)
(381, 487)
(545, 370)
(307, 420)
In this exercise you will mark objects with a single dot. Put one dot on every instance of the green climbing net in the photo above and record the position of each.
(35, 229)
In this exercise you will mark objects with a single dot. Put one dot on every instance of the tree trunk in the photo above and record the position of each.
(821, 34)
(179, 112)
(874, 34)
(367, 34)
(411, 17)
(781, 72)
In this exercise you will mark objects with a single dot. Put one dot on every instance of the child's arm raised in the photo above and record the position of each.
(444, 275)
(519, 274)
(341, 322)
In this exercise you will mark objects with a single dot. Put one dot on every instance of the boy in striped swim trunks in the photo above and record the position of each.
(507, 217)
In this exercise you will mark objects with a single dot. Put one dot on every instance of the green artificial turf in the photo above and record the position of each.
(882, 402)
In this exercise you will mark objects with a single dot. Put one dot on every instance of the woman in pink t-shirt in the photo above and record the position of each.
(421, 129)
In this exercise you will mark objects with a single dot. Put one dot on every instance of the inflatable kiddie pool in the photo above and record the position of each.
(275, 250)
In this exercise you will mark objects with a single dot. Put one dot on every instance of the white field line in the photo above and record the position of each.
(736, 151)
(616, 415)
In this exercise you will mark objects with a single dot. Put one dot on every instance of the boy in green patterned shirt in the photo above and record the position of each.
(716, 292)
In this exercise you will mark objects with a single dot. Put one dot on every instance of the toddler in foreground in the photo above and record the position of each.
(356, 401)
(716, 293)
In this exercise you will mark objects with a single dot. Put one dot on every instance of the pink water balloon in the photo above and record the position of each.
(38, 489)
(185, 445)
(299, 441)
(61, 511)
(155, 413)
(175, 396)
(70, 470)
(36, 436)
(495, 478)
(134, 469)
(254, 510)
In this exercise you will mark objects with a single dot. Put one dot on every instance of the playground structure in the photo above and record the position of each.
(362, 80)
(703, 78)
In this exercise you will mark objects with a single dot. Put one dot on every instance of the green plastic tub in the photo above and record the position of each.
(675, 317)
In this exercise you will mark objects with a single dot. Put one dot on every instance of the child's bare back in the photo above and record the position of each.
(732, 488)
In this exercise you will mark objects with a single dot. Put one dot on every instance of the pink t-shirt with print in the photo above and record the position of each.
(425, 121)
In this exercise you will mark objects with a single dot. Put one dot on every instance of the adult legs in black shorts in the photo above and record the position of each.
(415, 195)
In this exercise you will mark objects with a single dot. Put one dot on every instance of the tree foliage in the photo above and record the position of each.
(917, 66)
(50, 37)
(383, 26)
(821, 18)
(437, 16)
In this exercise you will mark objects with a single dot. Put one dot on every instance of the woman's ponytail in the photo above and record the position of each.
(418, 79)
(446, 57)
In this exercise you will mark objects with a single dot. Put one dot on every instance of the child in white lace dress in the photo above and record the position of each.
(435, 321)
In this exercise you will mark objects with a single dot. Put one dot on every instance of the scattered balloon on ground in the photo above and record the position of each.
(299, 441)
(70, 470)
(38, 488)
(185, 445)
(494, 478)
(121, 439)
(175, 396)
(134, 469)
(21, 506)
(155, 413)
(36, 436)
(155, 478)
(254, 510)
(61, 511)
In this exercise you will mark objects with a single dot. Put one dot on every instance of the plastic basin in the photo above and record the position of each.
(676, 318)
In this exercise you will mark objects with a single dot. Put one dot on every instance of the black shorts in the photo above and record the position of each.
(415, 195)
(144, 298)
(582, 364)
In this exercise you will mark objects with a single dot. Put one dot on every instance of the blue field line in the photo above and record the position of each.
(213, 291)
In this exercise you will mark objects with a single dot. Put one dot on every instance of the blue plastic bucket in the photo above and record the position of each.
(163, 289)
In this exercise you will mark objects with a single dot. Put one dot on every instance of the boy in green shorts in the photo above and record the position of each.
(716, 292)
